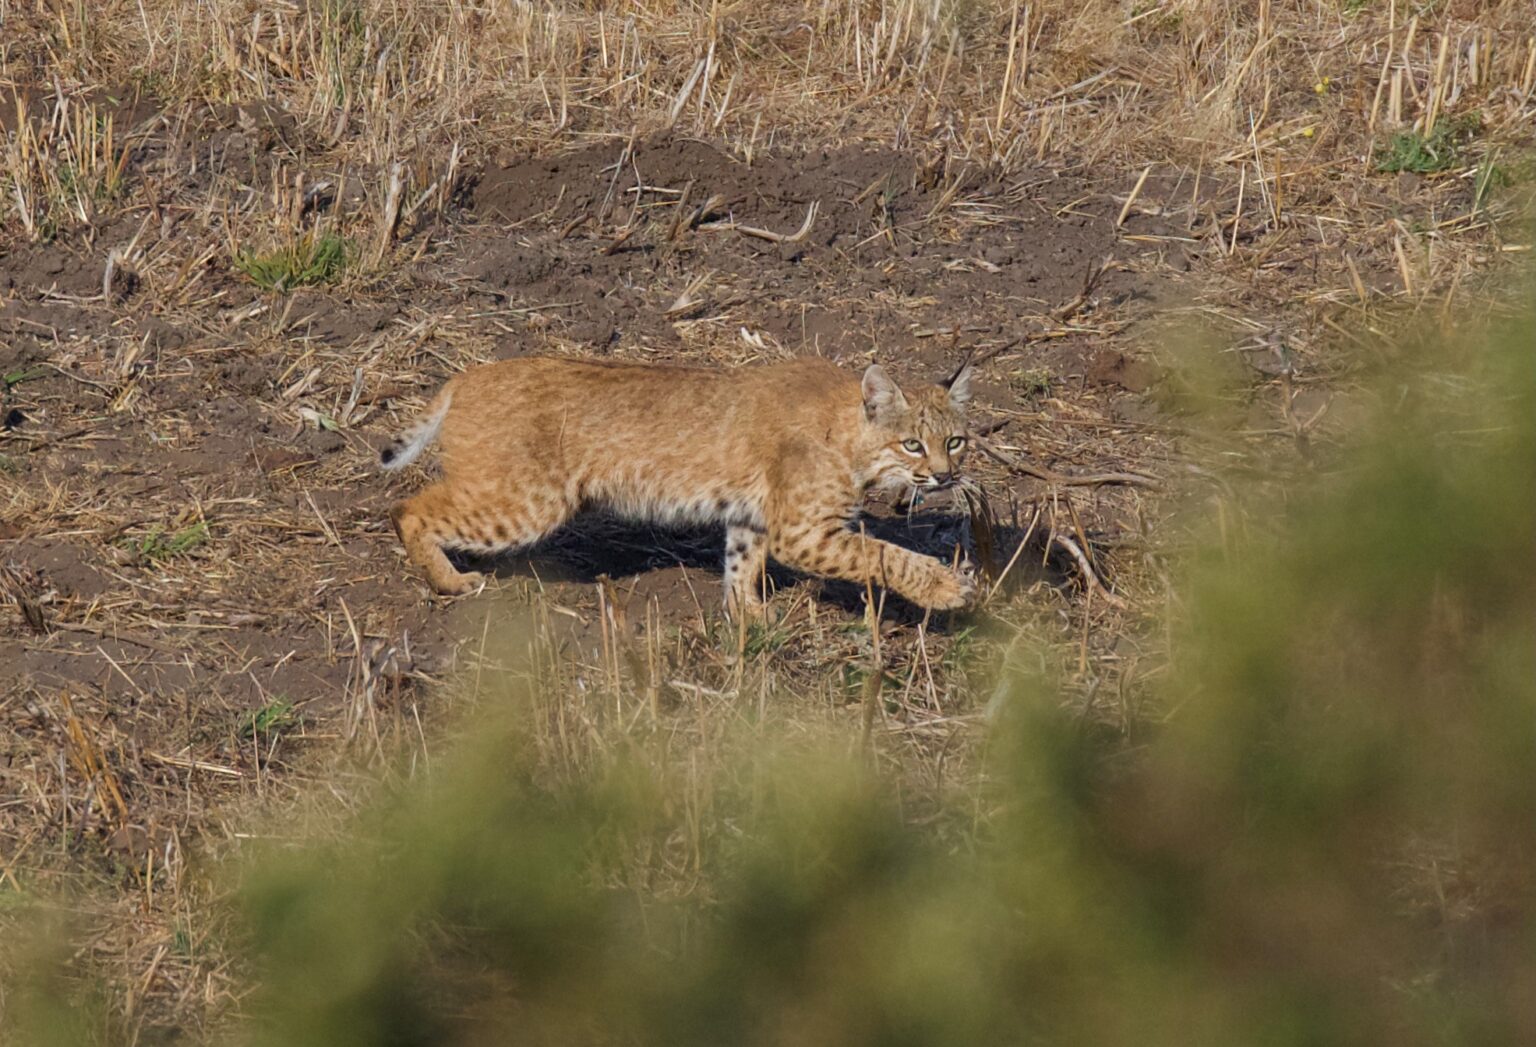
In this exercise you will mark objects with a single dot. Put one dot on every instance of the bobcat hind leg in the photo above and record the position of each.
(446, 516)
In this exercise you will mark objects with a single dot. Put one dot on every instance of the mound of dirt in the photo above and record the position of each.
(975, 253)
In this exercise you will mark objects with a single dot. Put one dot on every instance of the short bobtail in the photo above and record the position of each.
(408, 445)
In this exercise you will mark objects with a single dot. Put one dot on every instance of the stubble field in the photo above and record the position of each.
(241, 244)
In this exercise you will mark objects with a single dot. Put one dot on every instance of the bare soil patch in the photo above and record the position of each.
(210, 422)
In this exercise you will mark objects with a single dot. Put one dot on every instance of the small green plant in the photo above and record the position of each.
(1490, 177)
(961, 650)
(25, 374)
(314, 258)
(763, 638)
(1034, 382)
(161, 544)
(760, 638)
(1439, 150)
(853, 678)
(275, 716)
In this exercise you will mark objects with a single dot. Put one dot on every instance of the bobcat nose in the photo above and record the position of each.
(943, 479)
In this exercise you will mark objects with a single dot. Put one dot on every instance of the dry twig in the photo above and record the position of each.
(1022, 468)
(768, 234)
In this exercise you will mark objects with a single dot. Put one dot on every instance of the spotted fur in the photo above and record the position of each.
(779, 454)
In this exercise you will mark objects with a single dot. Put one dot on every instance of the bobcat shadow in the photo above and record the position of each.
(595, 545)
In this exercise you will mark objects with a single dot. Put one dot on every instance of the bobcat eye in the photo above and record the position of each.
(955, 443)
(912, 446)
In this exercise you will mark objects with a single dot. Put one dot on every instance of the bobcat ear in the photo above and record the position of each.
(881, 395)
(959, 385)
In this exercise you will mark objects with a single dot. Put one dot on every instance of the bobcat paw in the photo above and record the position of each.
(951, 591)
(753, 612)
(459, 584)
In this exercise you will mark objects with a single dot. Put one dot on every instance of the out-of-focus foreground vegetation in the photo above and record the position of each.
(1327, 839)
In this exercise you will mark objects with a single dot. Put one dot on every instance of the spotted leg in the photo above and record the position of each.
(746, 560)
(482, 520)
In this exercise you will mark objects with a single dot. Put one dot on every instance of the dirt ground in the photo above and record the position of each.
(248, 420)
(255, 415)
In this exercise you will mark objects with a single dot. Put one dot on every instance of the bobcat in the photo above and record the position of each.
(780, 454)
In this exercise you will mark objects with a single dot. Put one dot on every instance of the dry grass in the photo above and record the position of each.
(180, 166)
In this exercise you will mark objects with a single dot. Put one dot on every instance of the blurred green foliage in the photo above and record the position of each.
(1330, 840)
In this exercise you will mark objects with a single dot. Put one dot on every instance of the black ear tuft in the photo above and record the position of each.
(387, 455)
(965, 365)
(959, 383)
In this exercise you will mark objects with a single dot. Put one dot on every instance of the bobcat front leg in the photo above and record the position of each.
(829, 548)
(746, 556)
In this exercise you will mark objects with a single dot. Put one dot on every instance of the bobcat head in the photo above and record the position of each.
(918, 439)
